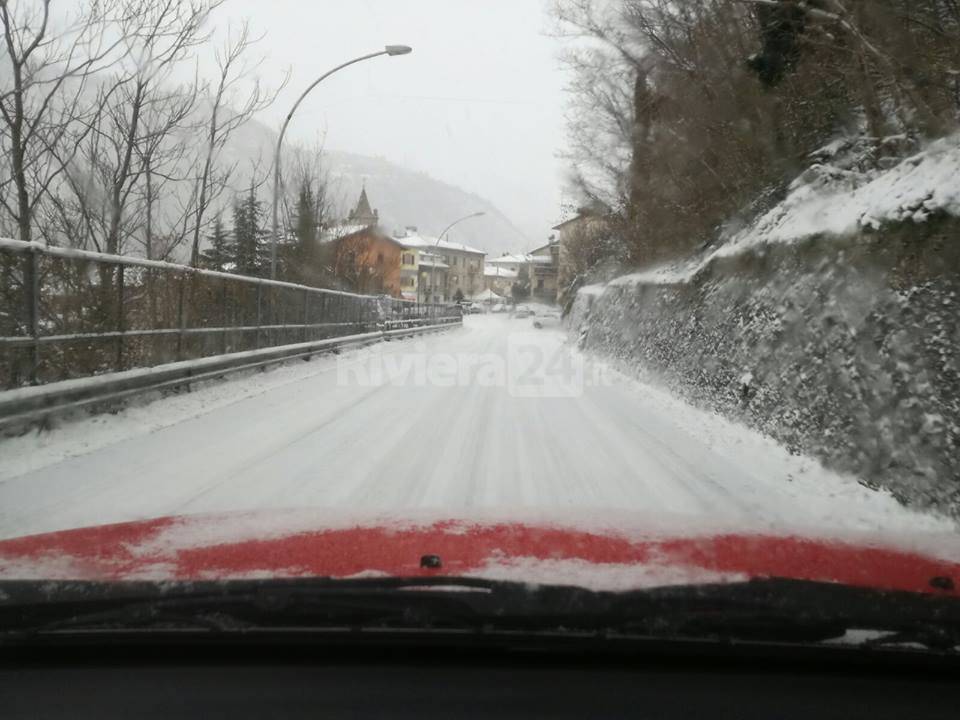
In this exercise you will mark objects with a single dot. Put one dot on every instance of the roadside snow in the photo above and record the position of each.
(82, 434)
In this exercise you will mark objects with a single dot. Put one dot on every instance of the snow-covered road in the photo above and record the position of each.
(461, 424)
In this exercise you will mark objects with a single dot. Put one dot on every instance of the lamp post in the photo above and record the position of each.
(275, 234)
(445, 231)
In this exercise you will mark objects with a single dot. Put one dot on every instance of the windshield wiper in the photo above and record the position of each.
(771, 610)
(236, 605)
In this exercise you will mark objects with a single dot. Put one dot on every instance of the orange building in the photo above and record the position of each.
(364, 258)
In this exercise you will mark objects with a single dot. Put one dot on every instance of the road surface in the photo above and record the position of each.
(494, 415)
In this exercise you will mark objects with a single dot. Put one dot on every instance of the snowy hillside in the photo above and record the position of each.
(834, 197)
(837, 196)
(828, 323)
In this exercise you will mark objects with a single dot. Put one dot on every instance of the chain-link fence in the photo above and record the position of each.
(68, 313)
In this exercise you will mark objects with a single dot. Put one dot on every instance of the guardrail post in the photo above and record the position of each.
(121, 325)
(306, 312)
(31, 286)
(256, 342)
(324, 303)
(223, 302)
(181, 318)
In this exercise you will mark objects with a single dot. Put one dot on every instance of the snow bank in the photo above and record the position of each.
(834, 197)
(833, 200)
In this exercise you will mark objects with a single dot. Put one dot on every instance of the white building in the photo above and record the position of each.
(499, 279)
(443, 267)
(536, 271)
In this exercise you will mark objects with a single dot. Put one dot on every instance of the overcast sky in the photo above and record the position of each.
(478, 104)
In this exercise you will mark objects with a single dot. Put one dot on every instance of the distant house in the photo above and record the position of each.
(444, 268)
(587, 220)
(536, 270)
(546, 264)
(499, 279)
(409, 280)
(363, 257)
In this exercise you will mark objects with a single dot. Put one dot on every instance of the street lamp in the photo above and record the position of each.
(275, 234)
(445, 231)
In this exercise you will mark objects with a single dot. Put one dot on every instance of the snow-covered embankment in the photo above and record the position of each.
(830, 323)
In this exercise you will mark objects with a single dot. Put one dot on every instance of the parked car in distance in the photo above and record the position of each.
(498, 308)
(471, 308)
(522, 311)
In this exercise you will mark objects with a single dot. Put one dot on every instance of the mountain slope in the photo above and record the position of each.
(401, 196)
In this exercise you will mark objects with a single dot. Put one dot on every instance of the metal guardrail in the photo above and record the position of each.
(67, 313)
(31, 404)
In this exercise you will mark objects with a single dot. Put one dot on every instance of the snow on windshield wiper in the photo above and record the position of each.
(758, 610)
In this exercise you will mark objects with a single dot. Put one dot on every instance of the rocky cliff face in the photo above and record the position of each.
(842, 346)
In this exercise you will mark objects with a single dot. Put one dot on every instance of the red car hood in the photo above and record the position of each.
(252, 545)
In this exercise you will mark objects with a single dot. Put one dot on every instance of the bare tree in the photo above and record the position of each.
(230, 107)
(685, 112)
(139, 113)
(165, 161)
(358, 261)
(143, 112)
(306, 212)
(47, 64)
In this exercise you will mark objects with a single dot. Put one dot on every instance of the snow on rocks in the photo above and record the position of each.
(836, 196)
(832, 200)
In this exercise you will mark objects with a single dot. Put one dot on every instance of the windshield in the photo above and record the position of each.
(615, 295)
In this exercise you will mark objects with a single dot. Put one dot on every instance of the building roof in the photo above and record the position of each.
(499, 272)
(416, 240)
(363, 204)
(518, 259)
(515, 259)
(552, 243)
(596, 210)
(338, 232)
(487, 295)
(363, 213)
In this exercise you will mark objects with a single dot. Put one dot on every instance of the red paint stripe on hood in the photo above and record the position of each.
(151, 548)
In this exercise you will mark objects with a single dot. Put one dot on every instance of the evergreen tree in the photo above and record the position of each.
(299, 252)
(218, 254)
(305, 228)
(250, 253)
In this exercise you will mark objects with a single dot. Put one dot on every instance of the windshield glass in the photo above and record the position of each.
(610, 294)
